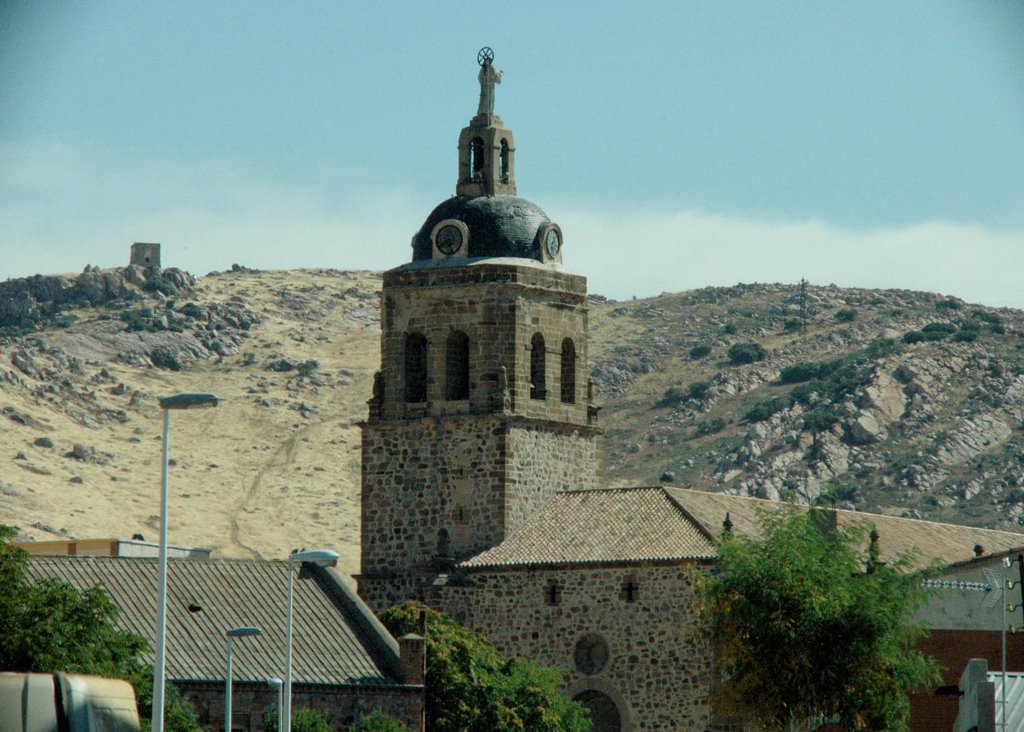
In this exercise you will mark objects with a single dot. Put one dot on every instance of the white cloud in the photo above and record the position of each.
(67, 206)
(646, 252)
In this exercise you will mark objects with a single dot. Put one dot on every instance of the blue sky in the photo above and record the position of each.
(679, 144)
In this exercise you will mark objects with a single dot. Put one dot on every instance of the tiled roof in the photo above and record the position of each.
(924, 542)
(205, 598)
(662, 523)
(613, 525)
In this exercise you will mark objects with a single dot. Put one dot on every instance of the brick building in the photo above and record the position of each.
(482, 466)
(345, 663)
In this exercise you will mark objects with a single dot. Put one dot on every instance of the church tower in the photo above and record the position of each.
(482, 409)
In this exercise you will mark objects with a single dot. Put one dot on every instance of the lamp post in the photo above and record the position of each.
(323, 558)
(242, 632)
(276, 683)
(186, 400)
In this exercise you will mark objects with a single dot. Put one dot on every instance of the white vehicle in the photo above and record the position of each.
(66, 703)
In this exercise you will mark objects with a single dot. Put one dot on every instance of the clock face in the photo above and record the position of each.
(449, 239)
(552, 242)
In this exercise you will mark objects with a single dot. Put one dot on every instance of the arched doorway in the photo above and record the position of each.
(604, 715)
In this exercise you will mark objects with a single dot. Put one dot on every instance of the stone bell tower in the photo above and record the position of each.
(481, 410)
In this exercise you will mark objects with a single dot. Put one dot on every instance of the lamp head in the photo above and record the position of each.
(320, 557)
(243, 632)
(189, 400)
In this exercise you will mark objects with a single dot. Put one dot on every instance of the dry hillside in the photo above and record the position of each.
(926, 425)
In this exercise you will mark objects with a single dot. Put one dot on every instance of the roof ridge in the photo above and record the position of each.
(693, 519)
(846, 511)
(617, 489)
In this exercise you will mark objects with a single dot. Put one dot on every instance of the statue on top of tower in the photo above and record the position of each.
(488, 77)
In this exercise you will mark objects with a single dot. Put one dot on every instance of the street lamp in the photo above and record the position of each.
(242, 632)
(323, 558)
(276, 683)
(186, 400)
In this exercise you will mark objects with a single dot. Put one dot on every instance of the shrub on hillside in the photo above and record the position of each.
(804, 371)
(743, 353)
(764, 409)
(914, 336)
(710, 426)
(845, 316)
(880, 347)
(698, 352)
(969, 331)
(938, 331)
(159, 283)
(191, 310)
(137, 320)
(672, 396)
(698, 390)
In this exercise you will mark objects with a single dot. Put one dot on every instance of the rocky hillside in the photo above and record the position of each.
(274, 467)
(891, 401)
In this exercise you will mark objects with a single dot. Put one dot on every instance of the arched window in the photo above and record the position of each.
(476, 157)
(538, 386)
(504, 161)
(568, 372)
(457, 362)
(415, 367)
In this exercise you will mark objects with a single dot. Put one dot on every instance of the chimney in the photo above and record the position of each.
(412, 654)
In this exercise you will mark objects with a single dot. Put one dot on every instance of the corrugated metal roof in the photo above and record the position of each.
(205, 598)
(1014, 700)
(612, 525)
(664, 523)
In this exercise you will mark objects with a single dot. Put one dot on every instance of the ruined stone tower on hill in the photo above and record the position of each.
(482, 409)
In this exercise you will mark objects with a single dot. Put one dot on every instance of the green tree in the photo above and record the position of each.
(303, 720)
(804, 629)
(50, 626)
(378, 722)
(471, 687)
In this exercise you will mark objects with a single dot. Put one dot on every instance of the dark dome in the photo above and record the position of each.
(499, 226)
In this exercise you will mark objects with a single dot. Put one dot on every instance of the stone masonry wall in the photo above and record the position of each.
(251, 702)
(474, 477)
(541, 461)
(657, 668)
(499, 308)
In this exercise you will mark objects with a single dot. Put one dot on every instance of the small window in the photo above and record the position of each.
(568, 372)
(415, 368)
(457, 384)
(630, 589)
(538, 386)
(553, 594)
